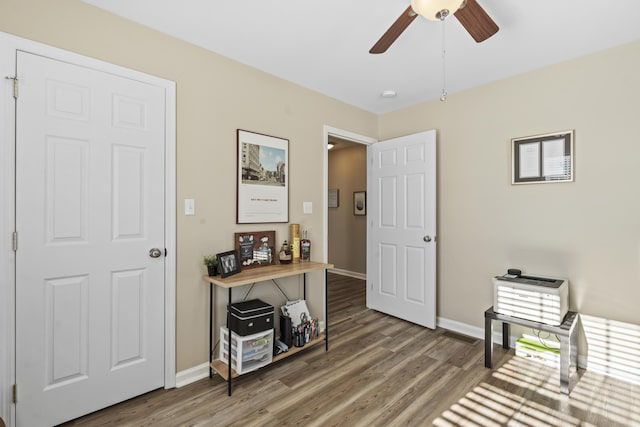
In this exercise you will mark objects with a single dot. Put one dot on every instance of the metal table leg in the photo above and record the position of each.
(229, 379)
(210, 329)
(488, 344)
(505, 335)
(568, 357)
(326, 310)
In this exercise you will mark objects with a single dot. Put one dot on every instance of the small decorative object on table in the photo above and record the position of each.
(285, 253)
(305, 247)
(211, 261)
(294, 238)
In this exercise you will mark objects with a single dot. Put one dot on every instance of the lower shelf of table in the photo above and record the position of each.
(223, 369)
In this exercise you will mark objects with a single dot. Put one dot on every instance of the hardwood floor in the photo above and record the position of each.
(382, 371)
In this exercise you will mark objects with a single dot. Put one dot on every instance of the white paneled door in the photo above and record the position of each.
(89, 211)
(401, 209)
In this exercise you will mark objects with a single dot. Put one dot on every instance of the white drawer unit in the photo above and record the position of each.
(248, 353)
(539, 299)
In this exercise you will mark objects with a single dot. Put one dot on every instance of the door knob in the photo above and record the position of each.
(155, 253)
(427, 239)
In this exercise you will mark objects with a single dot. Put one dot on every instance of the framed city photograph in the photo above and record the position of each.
(228, 264)
(262, 178)
(360, 203)
(542, 158)
(255, 248)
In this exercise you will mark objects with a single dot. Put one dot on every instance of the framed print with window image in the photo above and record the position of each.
(542, 158)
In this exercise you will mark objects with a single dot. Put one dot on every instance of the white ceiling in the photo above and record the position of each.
(323, 44)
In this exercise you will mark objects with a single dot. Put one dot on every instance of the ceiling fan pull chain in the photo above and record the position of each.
(444, 61)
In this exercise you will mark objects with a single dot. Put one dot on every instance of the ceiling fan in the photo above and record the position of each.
(470, 14)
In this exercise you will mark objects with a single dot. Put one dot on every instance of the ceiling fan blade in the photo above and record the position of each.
(394, 31)
(476, 21)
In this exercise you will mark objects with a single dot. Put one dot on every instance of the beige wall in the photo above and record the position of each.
(348, 232)
(587, 231)
(215, 96)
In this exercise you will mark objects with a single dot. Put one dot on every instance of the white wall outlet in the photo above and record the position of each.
(189, 206)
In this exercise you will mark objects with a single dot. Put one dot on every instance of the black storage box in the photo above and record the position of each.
(250, 317)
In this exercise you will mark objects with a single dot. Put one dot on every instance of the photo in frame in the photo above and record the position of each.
(333, 198)
(262, 180)
(542, 158)
(228, 263)
(360, 203)
(255, 248)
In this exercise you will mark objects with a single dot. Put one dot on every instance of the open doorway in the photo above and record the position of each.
(347, 139)
(348, 174)
(347, 221)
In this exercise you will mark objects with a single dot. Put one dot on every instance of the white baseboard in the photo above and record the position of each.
(461, 328)
(348, 273)
(191, 375)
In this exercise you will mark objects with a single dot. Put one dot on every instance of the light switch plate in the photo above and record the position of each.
(307, 207)
(189, 206)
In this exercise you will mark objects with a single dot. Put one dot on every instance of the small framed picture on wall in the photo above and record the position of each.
(360, 203)
(542, 158)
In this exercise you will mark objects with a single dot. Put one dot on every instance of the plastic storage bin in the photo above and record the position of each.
(248, 353)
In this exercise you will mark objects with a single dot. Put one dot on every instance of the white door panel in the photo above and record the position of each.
(402, 195)
(89, 207)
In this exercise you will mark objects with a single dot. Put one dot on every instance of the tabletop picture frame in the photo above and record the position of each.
(228, 263)
(544, 158)
(262, 180)
(255, 248)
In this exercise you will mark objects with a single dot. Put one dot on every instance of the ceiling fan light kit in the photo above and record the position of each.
(436, 10)
(469, 13)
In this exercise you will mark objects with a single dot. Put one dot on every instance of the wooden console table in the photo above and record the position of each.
(566, 330)
(252, 277)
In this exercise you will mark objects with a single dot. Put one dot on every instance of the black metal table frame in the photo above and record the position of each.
(567, 331)
(229, 299)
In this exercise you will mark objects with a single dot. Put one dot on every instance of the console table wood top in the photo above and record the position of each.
(260, 274)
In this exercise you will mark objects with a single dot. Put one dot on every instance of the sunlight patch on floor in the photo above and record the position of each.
(525, 393)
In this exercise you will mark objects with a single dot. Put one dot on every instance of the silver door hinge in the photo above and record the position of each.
(15, 393)
(15, 241)
(15, 85)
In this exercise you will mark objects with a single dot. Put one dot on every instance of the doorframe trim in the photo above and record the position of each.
(328, 131)
(9, 45)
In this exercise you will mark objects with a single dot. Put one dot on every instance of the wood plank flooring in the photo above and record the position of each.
(382, 371)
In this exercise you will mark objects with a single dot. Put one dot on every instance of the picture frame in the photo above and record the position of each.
(359, 203)
(333, 198)
(228, 263)
(255, 248)
(262, 180)
(544, 158)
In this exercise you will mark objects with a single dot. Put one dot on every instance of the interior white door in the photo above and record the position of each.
(401, 248)
(89, 208)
